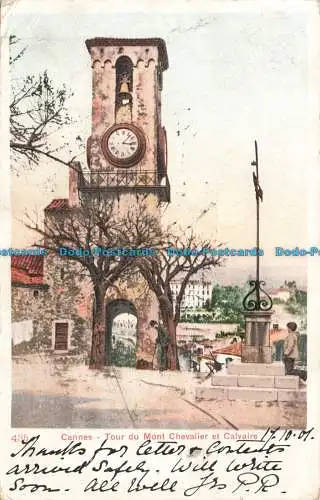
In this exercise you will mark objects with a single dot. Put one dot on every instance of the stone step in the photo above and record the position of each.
(251, 394)
(224, 379)
(266, 381)
(211, 393)
(287, 382)
(273, 369)
(290, 395)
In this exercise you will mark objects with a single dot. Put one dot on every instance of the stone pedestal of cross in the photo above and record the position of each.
(256, 347)
(257, 303)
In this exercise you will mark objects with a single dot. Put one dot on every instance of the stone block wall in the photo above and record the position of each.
(26, 302)
(68, 297)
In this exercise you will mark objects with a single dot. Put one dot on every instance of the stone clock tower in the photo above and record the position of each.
(127, 151)
(127, 158)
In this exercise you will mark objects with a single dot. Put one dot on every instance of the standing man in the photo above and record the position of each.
(162, 345)
(291, 352)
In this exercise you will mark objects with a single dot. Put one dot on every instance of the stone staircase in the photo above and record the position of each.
(254, 381)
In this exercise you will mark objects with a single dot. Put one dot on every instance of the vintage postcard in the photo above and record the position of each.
(160, 249)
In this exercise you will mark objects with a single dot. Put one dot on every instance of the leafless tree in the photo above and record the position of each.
(38, 111)
(163, 269)
(193, 255)
(98, 224)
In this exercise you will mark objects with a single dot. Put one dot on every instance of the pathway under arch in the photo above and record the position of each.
(121, 333)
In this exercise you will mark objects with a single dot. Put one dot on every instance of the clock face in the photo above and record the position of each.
(123, 145)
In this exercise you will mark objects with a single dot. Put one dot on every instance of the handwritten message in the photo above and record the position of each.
(168, 467)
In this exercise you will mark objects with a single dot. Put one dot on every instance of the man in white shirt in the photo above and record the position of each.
(291, 352)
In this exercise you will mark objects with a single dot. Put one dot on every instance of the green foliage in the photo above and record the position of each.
(122, 355)
(301, 298)
(207, 305)
(225, 307)
(303, 349)
(289, 285)
(297, 302)
(277, 301)
(226, 304)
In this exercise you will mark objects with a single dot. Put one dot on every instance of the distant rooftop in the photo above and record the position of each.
(27, 270)
(58, 204)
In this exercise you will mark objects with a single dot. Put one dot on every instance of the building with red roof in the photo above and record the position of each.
(234, 349)
(58, 204)
(27, 270)
(49, 307)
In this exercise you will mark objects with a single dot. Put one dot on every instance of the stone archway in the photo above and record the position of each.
(121, 333)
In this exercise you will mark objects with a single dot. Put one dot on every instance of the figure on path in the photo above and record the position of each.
(162, 345)
(291, 352)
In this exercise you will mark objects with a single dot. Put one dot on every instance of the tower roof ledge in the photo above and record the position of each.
(158, 42)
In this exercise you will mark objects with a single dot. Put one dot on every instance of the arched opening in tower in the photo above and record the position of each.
(121, 333)
(124, 84)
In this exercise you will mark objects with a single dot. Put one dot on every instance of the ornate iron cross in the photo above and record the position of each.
(253, 300)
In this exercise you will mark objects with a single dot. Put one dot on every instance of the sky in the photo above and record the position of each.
(234, 76)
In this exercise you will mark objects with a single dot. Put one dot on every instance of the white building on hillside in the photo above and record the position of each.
(198, 291)
(280, 293)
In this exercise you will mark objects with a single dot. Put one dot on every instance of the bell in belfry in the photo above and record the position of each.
(124, 93)
(124, 88)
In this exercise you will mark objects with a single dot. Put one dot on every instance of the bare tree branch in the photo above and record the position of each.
(38, 113)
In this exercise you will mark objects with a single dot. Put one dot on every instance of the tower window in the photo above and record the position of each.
(124, 81)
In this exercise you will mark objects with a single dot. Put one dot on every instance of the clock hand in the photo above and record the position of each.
(128, 143)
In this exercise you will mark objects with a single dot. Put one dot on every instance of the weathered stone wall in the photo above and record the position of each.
(144, 105)
(67, 298)
(26, 306)
(132, 203)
